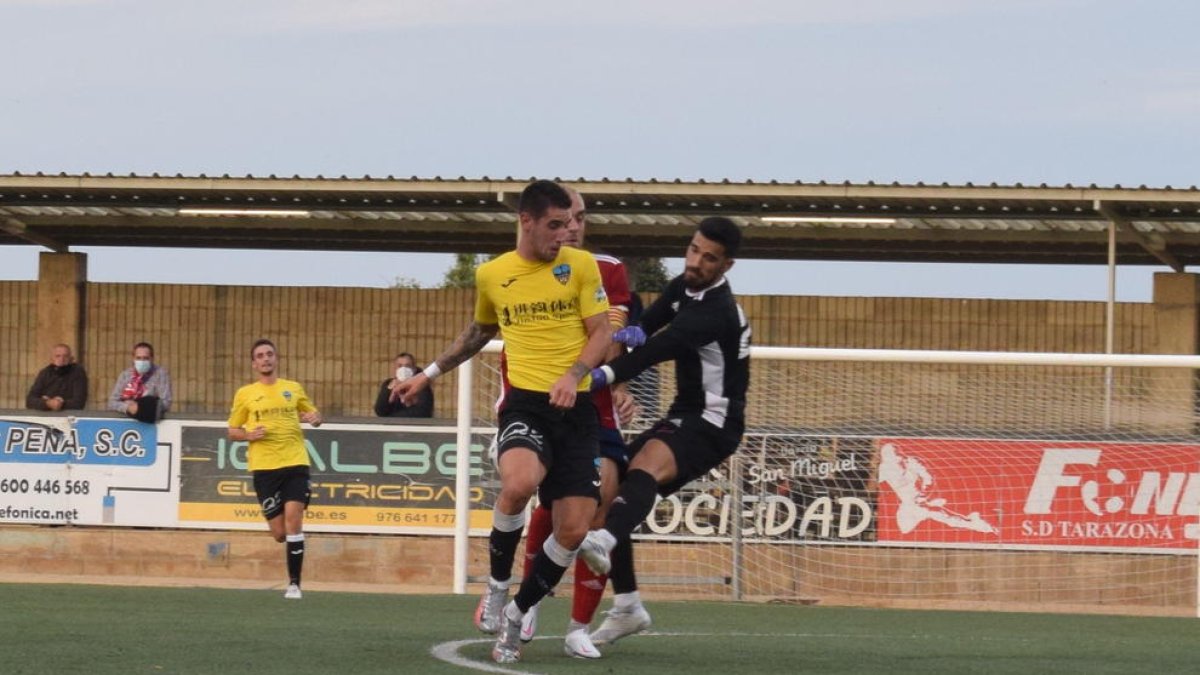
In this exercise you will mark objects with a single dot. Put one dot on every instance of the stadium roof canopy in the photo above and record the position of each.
(783, 221)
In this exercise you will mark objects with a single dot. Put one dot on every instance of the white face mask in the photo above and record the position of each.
(403, 373)
(142, 366)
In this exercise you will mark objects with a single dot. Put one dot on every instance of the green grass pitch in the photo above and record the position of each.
(106, 629)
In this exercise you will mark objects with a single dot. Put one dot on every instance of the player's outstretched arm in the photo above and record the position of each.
(467, 344)
(662, 346)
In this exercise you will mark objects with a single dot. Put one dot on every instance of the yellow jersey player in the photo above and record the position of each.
(267, 414)
(548, 301)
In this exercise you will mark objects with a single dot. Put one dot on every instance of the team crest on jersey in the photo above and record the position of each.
(601, 294)
(287, 395)
(562, 273)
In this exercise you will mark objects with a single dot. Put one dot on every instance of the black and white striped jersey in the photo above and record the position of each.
(707, 335)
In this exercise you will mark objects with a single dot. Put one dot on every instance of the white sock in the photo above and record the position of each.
(512, 613)
(507, 523)
(627, 600)
(555, 551)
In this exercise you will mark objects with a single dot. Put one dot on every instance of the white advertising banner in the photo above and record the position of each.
(87, 471)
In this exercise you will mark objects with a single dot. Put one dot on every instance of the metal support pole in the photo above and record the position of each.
(462, 477)
(1110, 321)
(735, 524)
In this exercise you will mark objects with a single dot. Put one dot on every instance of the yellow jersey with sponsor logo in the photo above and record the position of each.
(276, 407)
(540, 308)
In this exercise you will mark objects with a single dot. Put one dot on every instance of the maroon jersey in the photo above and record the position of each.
(616, 285)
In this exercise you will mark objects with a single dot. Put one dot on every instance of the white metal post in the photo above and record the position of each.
(1110, 321)
(462, 476)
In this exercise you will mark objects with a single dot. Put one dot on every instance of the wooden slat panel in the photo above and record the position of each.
(339, 342)
(19, 360)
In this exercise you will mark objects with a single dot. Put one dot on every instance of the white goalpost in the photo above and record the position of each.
(913, 478)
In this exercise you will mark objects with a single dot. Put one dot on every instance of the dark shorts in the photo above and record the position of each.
(612, 446)
(698, 447)
(274, 487)
(564, 440)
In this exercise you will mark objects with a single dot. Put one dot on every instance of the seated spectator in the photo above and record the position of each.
(406, 367)
(62, 385)
(143, 391)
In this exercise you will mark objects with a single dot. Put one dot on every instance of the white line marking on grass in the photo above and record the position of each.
(448, 651)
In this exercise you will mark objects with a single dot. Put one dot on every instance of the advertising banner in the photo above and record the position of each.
(1143, 497)
(793, 488)
(364, 479)
(84, 471)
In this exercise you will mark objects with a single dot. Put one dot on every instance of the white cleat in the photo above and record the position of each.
(508, 641)
(292, 592)
(620, 623)
(580, 646)
(529, 623)
(594, 553)
(489, 611)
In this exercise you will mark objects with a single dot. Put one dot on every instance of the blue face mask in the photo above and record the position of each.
(142, 366)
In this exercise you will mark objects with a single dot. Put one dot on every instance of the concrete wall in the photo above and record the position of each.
(924, 578)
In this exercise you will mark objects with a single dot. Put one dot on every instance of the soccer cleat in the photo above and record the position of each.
(621, 622)
(594, 554)
(579, 645)
(508, 641)
(292, 592)
(491, 604)
(529, 623)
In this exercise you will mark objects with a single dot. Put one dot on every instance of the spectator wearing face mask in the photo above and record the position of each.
(406, 366)
(62, 385)
(143, 391)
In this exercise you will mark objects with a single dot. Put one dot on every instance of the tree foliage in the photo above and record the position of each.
(462, 273)
(404, 282)
(647, 275)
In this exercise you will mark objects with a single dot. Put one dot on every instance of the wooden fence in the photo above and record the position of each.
(339, 342)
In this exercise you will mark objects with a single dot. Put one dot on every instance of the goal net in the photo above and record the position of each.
(937, 479)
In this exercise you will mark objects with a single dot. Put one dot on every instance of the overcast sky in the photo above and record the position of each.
(1037, 91)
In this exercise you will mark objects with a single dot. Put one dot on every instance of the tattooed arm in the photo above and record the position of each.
(467, 344)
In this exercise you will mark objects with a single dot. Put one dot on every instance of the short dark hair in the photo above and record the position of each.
(260, 342)
(410, 357)
(723, 231)
(147, 345)
(540, 195)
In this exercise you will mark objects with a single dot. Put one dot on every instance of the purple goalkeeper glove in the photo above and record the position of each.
(630, 336)
(599, 379)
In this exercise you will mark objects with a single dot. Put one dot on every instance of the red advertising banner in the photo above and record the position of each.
(1043, 493)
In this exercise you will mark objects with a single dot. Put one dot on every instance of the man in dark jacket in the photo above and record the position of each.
(62, 385)
(406, 367)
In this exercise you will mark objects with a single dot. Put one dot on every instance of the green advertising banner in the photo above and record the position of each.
(364, 479)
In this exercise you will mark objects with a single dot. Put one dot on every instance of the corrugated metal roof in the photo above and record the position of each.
(845, 221)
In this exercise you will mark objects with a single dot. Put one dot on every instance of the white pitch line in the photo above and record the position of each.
(448, 651)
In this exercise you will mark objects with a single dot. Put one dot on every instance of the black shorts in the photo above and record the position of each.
(698, 446)
(276, 486)
(564, 440)
(612, 446)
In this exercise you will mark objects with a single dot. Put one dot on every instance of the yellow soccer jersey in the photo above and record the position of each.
(540, 308)
(276, 407)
